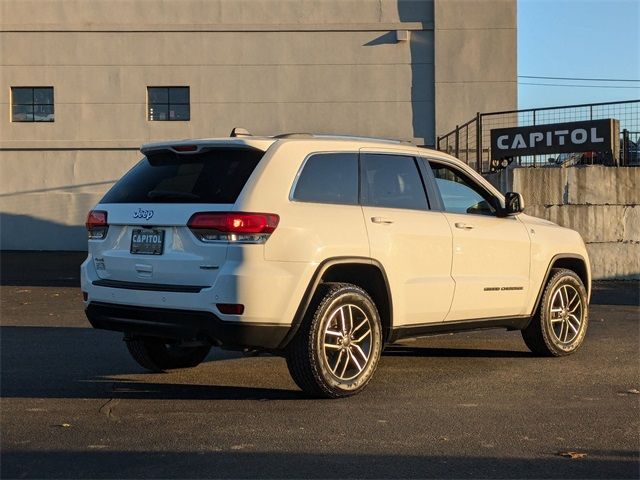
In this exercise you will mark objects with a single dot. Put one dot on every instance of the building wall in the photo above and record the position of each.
(271, 66)
(602, 203)
(475, 59)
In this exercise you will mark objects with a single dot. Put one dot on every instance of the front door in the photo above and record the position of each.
(491, 254)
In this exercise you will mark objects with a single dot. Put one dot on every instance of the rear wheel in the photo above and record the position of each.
(560, 324)
(338, 345)
(158, 354)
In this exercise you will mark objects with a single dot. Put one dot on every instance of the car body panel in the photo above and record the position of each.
(490, 266)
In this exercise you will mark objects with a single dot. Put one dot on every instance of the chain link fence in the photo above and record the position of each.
(471, 142)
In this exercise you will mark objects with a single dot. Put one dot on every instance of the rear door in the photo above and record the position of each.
(148, 240)
(491, 255)
(411, 241)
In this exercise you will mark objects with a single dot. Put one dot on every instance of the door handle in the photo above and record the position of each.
(464, 226)
(383, 220)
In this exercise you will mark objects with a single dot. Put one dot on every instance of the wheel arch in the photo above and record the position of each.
(571, 261)
(364, 272)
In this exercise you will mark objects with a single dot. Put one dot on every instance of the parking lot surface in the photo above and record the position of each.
(471, 405)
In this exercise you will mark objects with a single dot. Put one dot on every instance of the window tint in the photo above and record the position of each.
(459, 193)
(32, 104)
(392, 181)
(216, 176)
(329, 178)
(168, 103)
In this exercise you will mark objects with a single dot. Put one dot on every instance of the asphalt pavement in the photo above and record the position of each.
(471, 405)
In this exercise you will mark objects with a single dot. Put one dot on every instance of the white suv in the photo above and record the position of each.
(323, 249)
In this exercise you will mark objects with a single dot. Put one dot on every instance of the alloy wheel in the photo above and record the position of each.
(566, 313)
(347, 341)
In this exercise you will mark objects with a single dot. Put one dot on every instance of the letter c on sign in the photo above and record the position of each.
(501, 144)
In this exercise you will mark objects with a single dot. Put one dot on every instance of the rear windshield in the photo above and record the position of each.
(216, 176)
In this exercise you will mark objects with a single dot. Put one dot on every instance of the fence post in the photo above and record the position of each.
(466, 144)
(478, 142)
(624, 161)
(535, 157)
(457, 150)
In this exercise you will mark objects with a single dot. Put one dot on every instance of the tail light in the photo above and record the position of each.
(97, 225)
(240, 227)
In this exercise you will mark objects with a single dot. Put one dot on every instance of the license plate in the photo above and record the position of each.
(147, 241)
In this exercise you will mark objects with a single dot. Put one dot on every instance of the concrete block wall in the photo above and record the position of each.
(602, 203)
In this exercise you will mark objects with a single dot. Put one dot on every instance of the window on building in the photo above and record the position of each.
(392, 181)
(32, 104)
(329, 178)
(168, 104)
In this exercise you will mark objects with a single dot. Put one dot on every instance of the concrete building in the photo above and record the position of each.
(393, 68)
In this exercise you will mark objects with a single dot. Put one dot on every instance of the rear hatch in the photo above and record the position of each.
(147, 239)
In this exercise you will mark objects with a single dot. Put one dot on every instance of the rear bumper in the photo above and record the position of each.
(185, 325)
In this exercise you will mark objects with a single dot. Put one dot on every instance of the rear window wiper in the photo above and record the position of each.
(169, 194)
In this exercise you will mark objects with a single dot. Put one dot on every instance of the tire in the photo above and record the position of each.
(158, 355)
(560, 324)
(322, 360)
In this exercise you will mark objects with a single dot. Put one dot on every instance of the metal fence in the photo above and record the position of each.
(471, 142)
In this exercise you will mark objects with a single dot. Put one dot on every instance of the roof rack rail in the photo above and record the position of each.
(345, 137)
(294, 135)
(365, 137)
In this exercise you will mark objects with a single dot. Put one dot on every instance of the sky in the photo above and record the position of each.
(596, 39)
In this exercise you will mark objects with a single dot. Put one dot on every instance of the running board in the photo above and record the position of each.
(424, 330)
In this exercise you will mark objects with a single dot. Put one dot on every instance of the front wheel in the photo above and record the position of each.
(338, 345)
(157, 354)
(560, 324)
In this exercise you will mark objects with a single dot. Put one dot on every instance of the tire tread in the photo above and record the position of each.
(301, 361)
(534, 335)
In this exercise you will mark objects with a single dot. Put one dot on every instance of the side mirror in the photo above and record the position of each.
(513, 203)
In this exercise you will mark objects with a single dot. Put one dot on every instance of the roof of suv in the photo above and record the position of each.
(264, 142)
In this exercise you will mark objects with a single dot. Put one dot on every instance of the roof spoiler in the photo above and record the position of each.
(240, 132)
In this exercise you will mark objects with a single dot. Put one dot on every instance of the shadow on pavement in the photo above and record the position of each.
(61, 362)
(234, 464)
(58, 362)
(611, 292)
(40, 269)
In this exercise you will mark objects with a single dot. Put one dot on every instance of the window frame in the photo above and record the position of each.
(169, 103)
(33, 103)
(485, 193)
(416, 161)
(294, 185)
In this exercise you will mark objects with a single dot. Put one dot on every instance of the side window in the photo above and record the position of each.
(459, 193)
(392, 181)
(329, 178)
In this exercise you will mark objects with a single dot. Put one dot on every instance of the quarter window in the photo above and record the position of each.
(459, 193)
(329, 178)
(392, 181)
(168, 104)
(32, 104)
